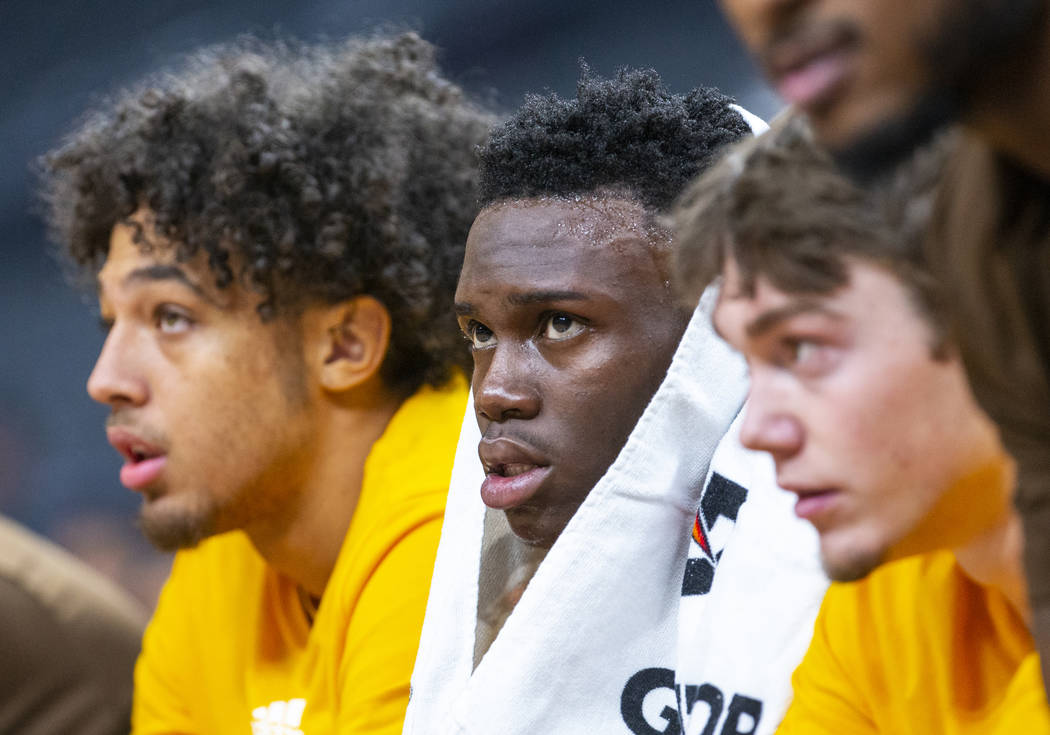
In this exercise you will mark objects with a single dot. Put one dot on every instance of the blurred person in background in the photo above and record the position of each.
(859, 395)
(877, 78)
(68, 642)
(274, 232)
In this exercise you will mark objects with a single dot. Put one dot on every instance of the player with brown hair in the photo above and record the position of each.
(859, 395)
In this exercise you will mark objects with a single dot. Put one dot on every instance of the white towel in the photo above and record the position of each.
(600, 615)
(743, 630)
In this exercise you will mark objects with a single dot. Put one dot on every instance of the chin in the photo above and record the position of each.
(883, 141)
(170, 525)
(530, 528)
(851, 563)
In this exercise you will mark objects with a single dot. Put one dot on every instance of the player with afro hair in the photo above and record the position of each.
(274, 232)
(324, 171)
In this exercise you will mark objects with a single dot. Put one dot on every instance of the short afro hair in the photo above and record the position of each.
(308, 173)
(627, 133)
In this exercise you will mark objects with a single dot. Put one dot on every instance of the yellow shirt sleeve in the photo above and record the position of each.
(159, 705)
(826, 698)
(383, 636)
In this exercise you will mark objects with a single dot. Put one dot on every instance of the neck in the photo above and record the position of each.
(994, 560)
(303, 541)
(1011, 110)
(975, 519)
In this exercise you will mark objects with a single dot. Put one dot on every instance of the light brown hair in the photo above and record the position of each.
(778, 207)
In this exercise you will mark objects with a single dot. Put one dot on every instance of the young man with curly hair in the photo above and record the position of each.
(584, 391)
(275, 233)
(878, 77)
(860, 397)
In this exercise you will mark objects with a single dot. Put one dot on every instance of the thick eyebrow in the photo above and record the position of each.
(767, 320)
(161, 272)
(526, 298)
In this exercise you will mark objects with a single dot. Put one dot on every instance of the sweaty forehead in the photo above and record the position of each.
(583, 220)
(577, 240)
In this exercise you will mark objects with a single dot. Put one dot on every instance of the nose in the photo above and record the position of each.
(769, 428)
(505, 388)
(116, 378)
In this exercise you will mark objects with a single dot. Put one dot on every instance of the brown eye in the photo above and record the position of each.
(479, 335)
(171, 321)
(562, 326)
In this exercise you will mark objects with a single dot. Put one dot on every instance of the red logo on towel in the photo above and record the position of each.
(719, 505)
(700, 536)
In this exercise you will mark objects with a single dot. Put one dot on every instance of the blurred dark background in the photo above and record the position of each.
(57, 473)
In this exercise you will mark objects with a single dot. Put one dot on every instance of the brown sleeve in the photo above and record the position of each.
(68, 643)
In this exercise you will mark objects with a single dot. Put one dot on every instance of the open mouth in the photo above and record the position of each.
(140, 453)
(143, 461)
(514, 472)
(141, 473)
(134, 450)
(509, 469)
(512, 484)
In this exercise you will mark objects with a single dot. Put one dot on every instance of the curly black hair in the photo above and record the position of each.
(627, 133)
(325, 171)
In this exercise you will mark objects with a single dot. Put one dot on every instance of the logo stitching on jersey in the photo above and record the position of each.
(279, 718)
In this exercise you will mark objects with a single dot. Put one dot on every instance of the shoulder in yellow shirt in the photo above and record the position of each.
(230, 648)
(918, 647)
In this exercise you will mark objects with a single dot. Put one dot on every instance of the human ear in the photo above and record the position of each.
(354, 344)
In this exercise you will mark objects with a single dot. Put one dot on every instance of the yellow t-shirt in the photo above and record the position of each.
(918, 647)
(230, 649)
